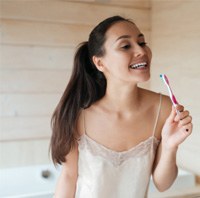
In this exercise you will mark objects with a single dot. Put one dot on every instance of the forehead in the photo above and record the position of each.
(122, 28)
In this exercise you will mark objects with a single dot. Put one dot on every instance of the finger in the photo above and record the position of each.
(180, 108)
(185, 121)
(181, 115)
(172, 115)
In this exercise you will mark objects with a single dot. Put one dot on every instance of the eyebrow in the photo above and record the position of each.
(128, 36)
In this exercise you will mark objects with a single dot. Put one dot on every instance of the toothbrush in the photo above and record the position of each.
(172, 97)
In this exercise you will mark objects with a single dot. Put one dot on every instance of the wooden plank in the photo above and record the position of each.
(24, 153)
(81, 1)
(43, 34)
(132, 3)
(139, 4)
(28, 104)
(34, 81)
(36, 57)
(23, 128)
(69, 12)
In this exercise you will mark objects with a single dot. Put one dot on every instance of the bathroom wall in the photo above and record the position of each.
(175, 41)
(38, 39)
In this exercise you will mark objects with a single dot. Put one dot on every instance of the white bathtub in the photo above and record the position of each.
(28, 182)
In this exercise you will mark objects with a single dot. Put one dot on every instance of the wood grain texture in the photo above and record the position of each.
(34, 81)
(43, 34)
(71, 12)
(24, 128)
(20, 32)
(18, 57)
(37, 45)
(24, 153)
(15, 105)
(131, 3)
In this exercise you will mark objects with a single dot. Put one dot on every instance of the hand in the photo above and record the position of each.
(177, 127)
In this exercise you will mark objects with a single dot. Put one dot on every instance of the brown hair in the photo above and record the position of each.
(86, 85)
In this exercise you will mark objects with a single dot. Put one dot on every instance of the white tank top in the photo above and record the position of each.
(104, 173)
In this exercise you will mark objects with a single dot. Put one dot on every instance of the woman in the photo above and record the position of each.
(109, 134)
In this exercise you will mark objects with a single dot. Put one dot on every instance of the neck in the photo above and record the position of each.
(123, 98)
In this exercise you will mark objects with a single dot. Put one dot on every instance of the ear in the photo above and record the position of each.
(98, 62)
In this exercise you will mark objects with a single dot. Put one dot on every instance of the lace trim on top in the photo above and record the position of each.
(117, 158)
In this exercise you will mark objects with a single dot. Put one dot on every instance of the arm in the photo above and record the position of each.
(173, 134)
(66, 185)
(166, 170)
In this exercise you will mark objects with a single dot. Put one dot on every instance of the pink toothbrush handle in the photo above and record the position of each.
(174, 100)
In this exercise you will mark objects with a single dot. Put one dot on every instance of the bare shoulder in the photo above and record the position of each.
(154, 97)
(166, 104)
(150, 96)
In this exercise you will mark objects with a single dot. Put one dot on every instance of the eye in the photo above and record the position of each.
(142, 44)
(126, 47)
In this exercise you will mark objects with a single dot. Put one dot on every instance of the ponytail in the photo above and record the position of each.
(86, 85)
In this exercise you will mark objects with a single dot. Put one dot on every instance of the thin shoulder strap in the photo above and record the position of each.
(157, 116)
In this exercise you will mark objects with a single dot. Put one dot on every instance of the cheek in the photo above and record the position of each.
(112, 60)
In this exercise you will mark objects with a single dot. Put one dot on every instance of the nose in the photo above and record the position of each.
(139, 51)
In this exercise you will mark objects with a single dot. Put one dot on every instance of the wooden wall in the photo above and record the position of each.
(175, 40)
(38, 39)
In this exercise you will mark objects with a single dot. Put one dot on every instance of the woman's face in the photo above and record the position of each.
(127, 57)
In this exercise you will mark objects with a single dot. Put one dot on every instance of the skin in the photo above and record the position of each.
(117, 120)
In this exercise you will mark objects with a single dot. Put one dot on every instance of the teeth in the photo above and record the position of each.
(139, 65)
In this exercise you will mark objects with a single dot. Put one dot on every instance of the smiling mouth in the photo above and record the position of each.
(142, 65)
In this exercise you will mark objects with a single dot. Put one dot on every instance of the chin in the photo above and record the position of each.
(147, 78)
(143, 78)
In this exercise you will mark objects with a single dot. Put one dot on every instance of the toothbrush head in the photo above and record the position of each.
(165, 79)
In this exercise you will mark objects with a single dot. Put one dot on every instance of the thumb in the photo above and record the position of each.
(172, 115)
